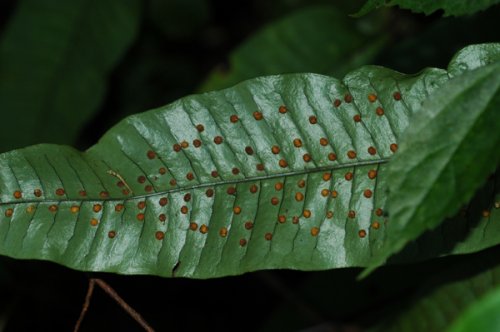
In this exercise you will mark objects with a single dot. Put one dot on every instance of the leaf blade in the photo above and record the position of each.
(456, 134)
(145, 198)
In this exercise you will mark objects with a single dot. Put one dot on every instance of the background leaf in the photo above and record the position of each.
(450, 7)
(482, 316)
(472, 229)
(318, 39)
(393, 298)
(446, 296)
(435, 43)
(55, 56)
(444, 156)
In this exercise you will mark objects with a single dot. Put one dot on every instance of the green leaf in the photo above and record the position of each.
(55, 57)
(448, 297)
(473, 229)
(450, 7)
(219, 184)
(474, 57)
(445, 156)
(319, 39)
(481, 316)
(388, 299)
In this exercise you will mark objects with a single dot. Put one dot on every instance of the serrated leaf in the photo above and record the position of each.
(55, 57)
(450, 7)
(445, 156)
(277, 172)
(318, 40)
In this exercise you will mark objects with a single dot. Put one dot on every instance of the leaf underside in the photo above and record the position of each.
(277, 172)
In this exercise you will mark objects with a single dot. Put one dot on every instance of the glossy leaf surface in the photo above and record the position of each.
(277, 172)
(444, 157)
(450, 7)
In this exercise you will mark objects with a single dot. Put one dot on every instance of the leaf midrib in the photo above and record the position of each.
(203, 185)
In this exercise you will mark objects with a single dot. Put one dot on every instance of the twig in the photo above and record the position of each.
(114, 295)
(134, 314)
(117, 175)
(86, 305)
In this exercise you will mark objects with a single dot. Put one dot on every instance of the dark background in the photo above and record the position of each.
(166, 62)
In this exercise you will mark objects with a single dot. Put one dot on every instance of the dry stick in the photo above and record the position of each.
(134, 314)
(86, 305)
(114, 295)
